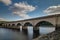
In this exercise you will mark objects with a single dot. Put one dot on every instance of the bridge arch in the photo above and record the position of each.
(18, 24)
(43, 23)
(1, 24)
(13, 24)
(9, 25)
(26, 27)
(28, 24)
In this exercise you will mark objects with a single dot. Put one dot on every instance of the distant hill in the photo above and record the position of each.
(3, 21)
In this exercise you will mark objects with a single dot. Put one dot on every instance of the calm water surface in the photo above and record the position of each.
(8, 34)
(46, 30)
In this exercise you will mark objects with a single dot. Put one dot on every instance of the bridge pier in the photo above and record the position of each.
(35, 33)
(57, 28)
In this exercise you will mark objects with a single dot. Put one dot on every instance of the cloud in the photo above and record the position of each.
(2, 19)
(53, 10)
(22, 9)
(6, 2)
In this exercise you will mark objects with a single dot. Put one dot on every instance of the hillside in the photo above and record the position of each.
(3, 21)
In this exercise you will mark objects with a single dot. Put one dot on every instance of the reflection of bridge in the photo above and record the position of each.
(52, 20)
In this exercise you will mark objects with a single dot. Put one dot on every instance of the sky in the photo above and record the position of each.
(13, 10)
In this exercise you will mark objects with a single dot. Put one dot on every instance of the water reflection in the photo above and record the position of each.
(8, 34)
(46, 30)
(30, 32)
(20, 28)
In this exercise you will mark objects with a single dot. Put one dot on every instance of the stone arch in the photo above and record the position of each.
(28, 24)
(43, 23)
(25, 30)
(18, 24)
(13, 24)
(9, 25)
(1, 24)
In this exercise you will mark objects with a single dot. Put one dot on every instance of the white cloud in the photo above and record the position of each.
(53, 10)
(22, 8)
(2, 19)
(6, 2)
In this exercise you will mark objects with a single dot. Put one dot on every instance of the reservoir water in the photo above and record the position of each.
(9, 34)
(46, 30)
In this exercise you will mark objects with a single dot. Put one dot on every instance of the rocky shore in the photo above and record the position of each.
(51, 36)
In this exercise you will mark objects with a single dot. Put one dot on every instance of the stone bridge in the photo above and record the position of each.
(49, 21)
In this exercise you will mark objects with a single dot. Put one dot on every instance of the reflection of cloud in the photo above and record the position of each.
(45, 30)
(22, 8)
(7, 2)
(2, 19)
(53, 10)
